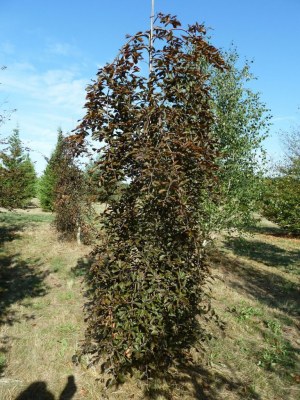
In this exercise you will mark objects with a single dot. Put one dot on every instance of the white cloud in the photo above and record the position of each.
(44, 101)
(7, 48)
(62, 49)
(51, 88)
(284, 118)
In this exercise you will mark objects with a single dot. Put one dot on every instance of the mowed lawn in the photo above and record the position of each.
(255, 292)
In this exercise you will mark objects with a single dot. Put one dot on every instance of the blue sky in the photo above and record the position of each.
(53, 49)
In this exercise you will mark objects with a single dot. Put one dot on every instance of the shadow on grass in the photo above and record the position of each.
(38, 391)
(8, 234)
(268, 288)
(273, 230)
(201, 383)
(19, 280)
(82, 267)
(4, 345)
(12, 223)
(268, 254)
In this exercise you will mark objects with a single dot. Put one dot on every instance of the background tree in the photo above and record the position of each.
(49, 178)
(291, 163)
(70, 196)
(30, 177)
(96, 191)
(17, 174)
(240, 126)
(281, 200)
(146, 282)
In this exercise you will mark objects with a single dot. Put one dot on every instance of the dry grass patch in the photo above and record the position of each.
(255, 292)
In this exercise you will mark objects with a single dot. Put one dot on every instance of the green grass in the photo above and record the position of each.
(244, 312)
(67, 328)
(274, 351)
(14, 218)
(67, 296)
(57, 264)
(39, 304)
(2, 361)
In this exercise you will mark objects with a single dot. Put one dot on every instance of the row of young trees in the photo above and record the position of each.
(62, 187)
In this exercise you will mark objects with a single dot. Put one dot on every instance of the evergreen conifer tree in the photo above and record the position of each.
(30, 178)
(49, 178)
(17, 174)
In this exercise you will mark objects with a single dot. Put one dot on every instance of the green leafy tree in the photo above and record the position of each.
(157, 132)
(17, 174)
(241, 124)
(49, 178)
(281, 199)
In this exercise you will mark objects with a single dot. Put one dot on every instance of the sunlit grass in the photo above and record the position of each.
(15, 218)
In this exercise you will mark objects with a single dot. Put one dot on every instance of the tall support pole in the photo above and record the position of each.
(151, 36)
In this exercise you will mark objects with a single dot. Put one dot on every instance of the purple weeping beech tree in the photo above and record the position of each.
(146, 280)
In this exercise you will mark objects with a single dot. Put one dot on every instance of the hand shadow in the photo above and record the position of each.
(69, 390)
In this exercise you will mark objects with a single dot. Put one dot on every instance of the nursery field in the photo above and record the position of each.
(255, 292)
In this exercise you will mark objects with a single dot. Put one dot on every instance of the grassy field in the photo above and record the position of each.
(255, 293)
